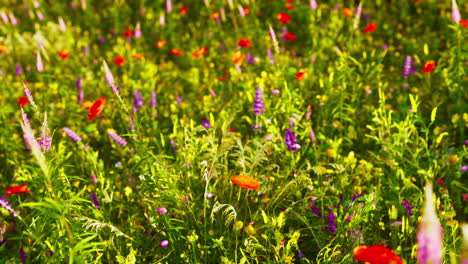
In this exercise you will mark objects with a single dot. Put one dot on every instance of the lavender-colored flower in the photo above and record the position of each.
(85, 51)
(174, 147)
(22, 255)
(137, 100)
(270, 55)
(13, 19)
(4, 17)
(241, 11)
(18, 69)
(250, 58)
(62, 25)
(138, 33)
(169, 6)
(95, 200)
(161, 210)
(179, 99)
(164, 243)
(456, 17)
(110, 78)
(300, 254)
(407, 67)
(162, 19)
(206, 123)
(313, 4)
(316, 211)
(45, 141)
(153, 99)
(259, 106)
(357, 17)
(40, 16)
(79, 83)
(257, 127)
(80, 96)
(331, 221)
(408, 207)
(284, 31)
(25, 118)
(39, 63)
(464, 168)
(290, 140)
(5, 204)
(118, 139)
(430, 232)
(71, 134)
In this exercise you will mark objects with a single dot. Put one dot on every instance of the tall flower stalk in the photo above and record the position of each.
(430, 232)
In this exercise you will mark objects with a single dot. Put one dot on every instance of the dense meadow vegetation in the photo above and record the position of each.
(237, 131)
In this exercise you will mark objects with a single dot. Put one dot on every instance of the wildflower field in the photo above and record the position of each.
(233, 131)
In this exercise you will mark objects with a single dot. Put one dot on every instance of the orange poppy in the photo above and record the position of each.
(245, 182)
(215, 15)
(244, 43)
(283, 17)
(289, 6)
(370, 28)
(23, 100)
(201, 51)
(160, 43)
(176, 52)
(138, 56)
(64, 54)
(246, 10)
(87, 104)
(17, 189)
(300, 75)
(290, 36)
(183, 10)
(128, 33)
(376, 254)
(237, 57)
(97, 107)
(3, 48)
(464, 22)
(347, 12)
(429, 66)
(119, 60)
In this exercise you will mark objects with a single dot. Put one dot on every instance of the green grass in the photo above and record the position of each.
(369, 138)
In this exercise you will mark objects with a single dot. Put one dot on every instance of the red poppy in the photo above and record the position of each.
(215, 15)
(376, 254)
(244, 43)
(415, 1)
(429, 66)
(245, 182)
(464, 22)
(176, 52)
(347, 12)
(289, 6)
(3, 48)
(119, 60)
(283, 17)
(201, 51)
(246, 10)
(300, 75)
(17, 189)
(370, 28)
(128, 33)
(97, 107)
(183, 10)
(64, 54)
(160, 43)
(23, 100)
(290, 36)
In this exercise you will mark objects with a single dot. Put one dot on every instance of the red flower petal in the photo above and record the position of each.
(16, 189)
(23, 100)
(246, 182)
(97, 107)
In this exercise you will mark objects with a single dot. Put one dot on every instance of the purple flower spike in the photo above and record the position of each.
(331, 221)
(18, 69)
(5, 204)
(259, 106)
(456, 17)
(316, 211)
(290, 140)
(79, 83)
(407, 67)
(95, 200)
(206, 123)
(22, 255)
(118, 139)
(164, 243)
(270, 55)
(408, 207)
(161, 210)
(137, 100)
(71, 134)
(153, 99)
